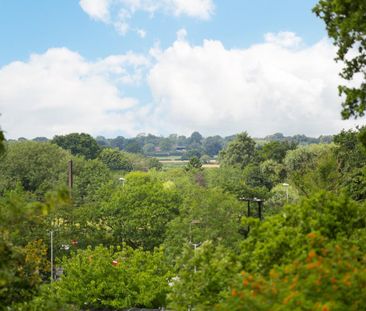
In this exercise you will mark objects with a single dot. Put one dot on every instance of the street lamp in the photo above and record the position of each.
(286, 187)
(195, 245)
(122, 181)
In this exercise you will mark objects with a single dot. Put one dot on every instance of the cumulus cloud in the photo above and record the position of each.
(60, 92)
(119, 12)
(279, 85)
(284, 38)
(97, 9)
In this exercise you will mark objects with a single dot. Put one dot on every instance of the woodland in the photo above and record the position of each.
(280, 224)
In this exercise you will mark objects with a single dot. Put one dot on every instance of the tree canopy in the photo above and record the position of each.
(78, 144)
(239, 152)
(345, 22)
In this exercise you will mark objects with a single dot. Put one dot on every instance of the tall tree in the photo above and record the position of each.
(213, 145)
(346, 24)
(239, 152)
(37, 167)
(78, 144)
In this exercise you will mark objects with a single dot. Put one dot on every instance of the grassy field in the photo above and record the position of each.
(175, 162)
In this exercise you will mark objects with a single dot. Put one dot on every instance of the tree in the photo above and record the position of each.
(346, 25)
(279, 239)
(239, 152)
(139, 212)
(203, 274)
(113, 278)
(350, 151)
(213, 145)
(195, 138)
(327, 276)
(133, 146)
(78, 144)
(102, 141)
(41, 139)
(193, 164)
(165, 144)
(89, 176)
(37, 167)
(118, 142)
(115, 159)
(24, 262)
(205, 214)
(276, 150)
(312, 168)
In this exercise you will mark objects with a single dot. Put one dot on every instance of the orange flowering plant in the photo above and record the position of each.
(329, 276)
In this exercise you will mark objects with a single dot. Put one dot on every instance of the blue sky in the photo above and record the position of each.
(121, 67)
(34, 26)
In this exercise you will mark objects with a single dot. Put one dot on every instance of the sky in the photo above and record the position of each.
(125, 67)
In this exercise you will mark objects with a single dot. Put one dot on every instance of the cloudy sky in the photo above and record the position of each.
(122, 67)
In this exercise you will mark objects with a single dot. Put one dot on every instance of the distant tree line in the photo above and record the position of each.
(195, 145)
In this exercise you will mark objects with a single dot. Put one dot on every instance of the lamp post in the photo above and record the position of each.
(122, 181)
(286, 187)
(195, 245)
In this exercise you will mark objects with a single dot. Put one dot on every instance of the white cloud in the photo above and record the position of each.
(119, 12)
(269, 87)
(97, 9)
(141, 33)
(60, 92)
(202, 9)
(285, 39)
(266, 88)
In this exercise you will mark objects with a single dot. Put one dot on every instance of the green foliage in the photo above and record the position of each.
(37, 167)
(118, 142)
(141, 163)
(278, 240)
(255, 178)
(204, 273)
(115, 159)
(213, 145)
(89, 176)
(346, 25)
(154, 163)
(206, 214)
(139, 212)
(312, 168)
(228, 178)
(133, 146)
(78, 144)
(278, 199)
(273, 172)
(239, 152)
(193, 164)
(350, 151)
(22, 270)
(276, 150)
(113, 278)
(326, 277)
(355, 184)
(195, 138)
(23, 253)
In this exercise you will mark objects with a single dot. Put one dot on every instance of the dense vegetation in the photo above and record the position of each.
(128, 234)
(182, 237)
(179, 146)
